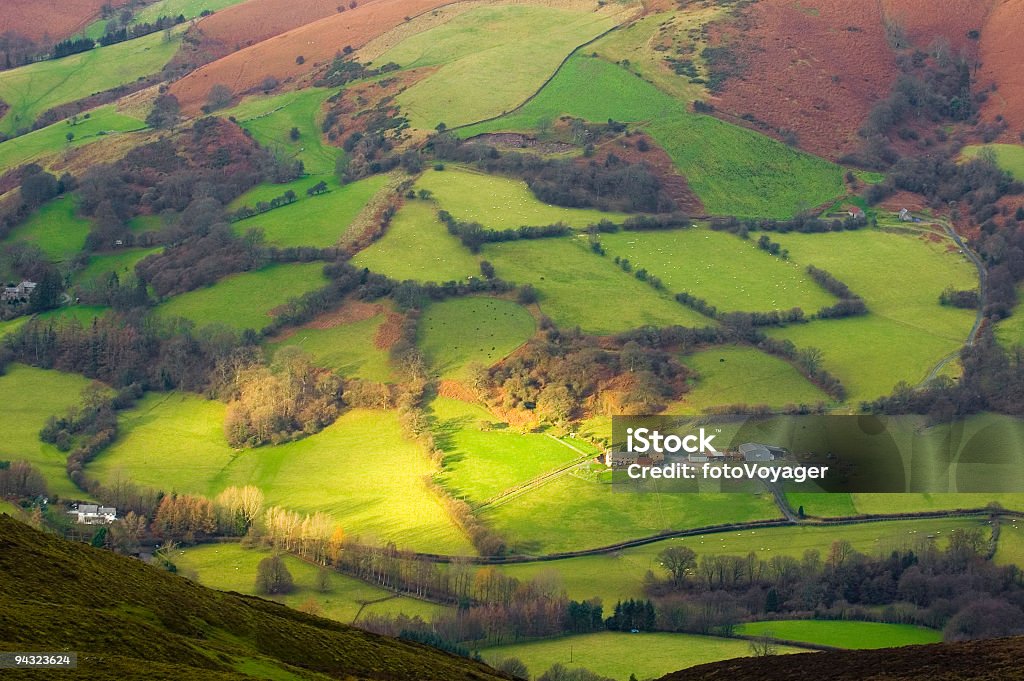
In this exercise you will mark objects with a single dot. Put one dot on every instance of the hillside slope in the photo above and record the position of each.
(128, 620)
(991, 660)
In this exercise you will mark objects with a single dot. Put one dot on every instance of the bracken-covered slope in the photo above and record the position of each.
(992, 660)
(127, 620)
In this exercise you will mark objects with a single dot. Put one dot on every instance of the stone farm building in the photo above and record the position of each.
(14, 293)
(92, 514)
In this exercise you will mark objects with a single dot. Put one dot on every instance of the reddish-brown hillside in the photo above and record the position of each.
(316, 42)
(52, 19)
(923, 21)
(1001, 64)
(814, 67)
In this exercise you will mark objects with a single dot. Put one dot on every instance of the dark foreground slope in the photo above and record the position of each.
(127, 620)
(992, 660)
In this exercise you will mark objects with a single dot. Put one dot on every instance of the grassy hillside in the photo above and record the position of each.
(168, 627)
(55, 228)
(733, 170)
(843, 634)
(31, 90)
(53, 138)
(30, 397)
(122, 263)
(1009, 156)
(617, 654)
(488, 60)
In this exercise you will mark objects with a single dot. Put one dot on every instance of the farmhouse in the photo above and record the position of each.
(17, 293)
(92, 514)
(755, 452)
(622, 459)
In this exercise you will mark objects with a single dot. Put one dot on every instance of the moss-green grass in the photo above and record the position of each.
(1010, 157)
(535, 522)
(457, 334)
(733, 170)
(499, 202)
(1010, 331)
(349, 349)
(1011, 543)
(620, 575)
(30, 396)
(83, 314)
(823, 505)
(245, 301)
(483, 457)
(580, 288)
(55, 228)
(270, 120)
(743, 375)
(122, 263)
(359, 470)
(53, 138)
(843, 634)
(172, 8)
(11, 325)
(618, 655)
(318, 221)
(417, 246)
(488, 60)
(31, 90)
(900, 277)
(231, 567)
(728, 272)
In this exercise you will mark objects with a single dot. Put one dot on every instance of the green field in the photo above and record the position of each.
(459, 333)
(620, 575)
(484, 458)
(728, 272)
(53, 138)
(230, 567)
(56, 228)
(30, 397)
(245, 301)
(417, 246)
(270, 120)
(1010, 331)
(82, 314)
(743, 375)
(733, 170)
(12, 325)
(617, 655)
(31, 90)
(579, 288)
(120, 262)
(1010, 157)
(824, 505)
(535, 522)
(172, 8)
(843, 634)
(349, 348)
(1011, 543)
(900, 278)
(488, 60)
(318, 221)
(499, 202)
(359, 470)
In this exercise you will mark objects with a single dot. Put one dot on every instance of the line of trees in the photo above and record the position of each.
(473, 235)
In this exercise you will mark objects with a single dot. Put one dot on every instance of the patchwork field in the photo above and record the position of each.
(734, 171)
(122, 263)
(32, 396)
(843, 634)
(620, 575)
(55, 228)
(349, 347)
(579, 288)
(246, 300)
(728, 272)
(618, 655)
(230, 567)
(900, 278)
(53, 138)
(484, 458)
(1010, 157)
(359, 470)
(31, 90)
(457, 334)
(417, 246)
(499, 202)
(743, 375)
(271, 119)
(532, 527)
(488, 60)
(318, 221)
